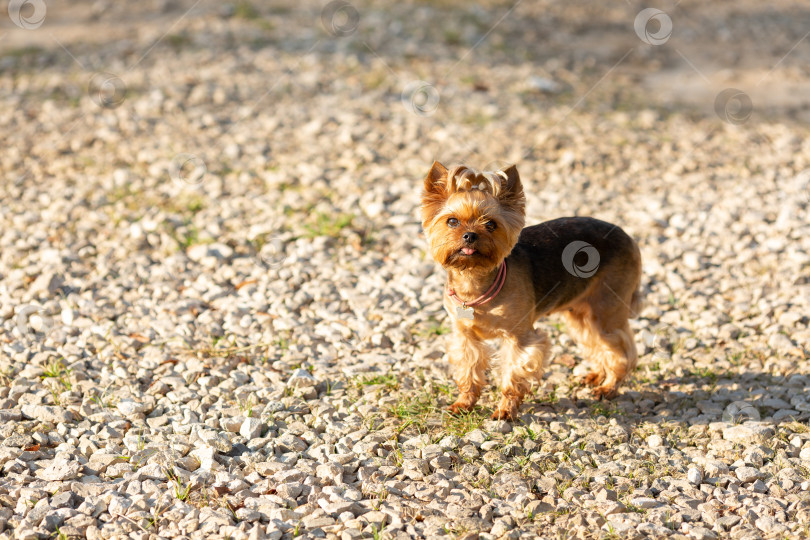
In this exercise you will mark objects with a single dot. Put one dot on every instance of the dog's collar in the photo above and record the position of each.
(491, 293)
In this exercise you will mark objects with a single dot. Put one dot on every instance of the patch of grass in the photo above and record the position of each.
(548, 399)
(195, 204)
(157, 511)
(178, 41)
(635, 509)
(375, 533)
(258, 243)
(803, 471)
(562, 485)
(462, 423)
(452, 37)
(706, 373)
(372, 79)
(186, 235)
(373, 422)
(640, 380)
(735, 359)
(56, 370)
(522, 461)
(186, 205)
(229, 349)
(389, 381)
(122, 193)
(559, 326)
(330, 225)
(245, 10)
(479, 119)
(611, 533)
(448, 389)
(414, 410)
(246, 405)
(797, 427)
(190, 237)
(282, 343)
(100, 402)
(526, 431)
(432, 328)
(180, 491)
(22, 52)
(601, 408)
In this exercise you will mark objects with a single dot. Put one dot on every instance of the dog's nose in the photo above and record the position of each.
(469, 237)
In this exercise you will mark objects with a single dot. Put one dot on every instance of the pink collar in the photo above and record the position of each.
(493, 291)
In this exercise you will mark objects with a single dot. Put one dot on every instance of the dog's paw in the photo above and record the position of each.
(504, 414)
(464, 403)
(460, 407)
(605, 392)
(594, 378)
(507, 409)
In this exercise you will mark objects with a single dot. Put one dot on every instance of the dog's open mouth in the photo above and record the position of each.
(468, 251)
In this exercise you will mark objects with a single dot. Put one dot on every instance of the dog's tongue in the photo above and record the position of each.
(468, 251)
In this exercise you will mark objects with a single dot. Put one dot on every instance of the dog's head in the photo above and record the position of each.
(472, 219)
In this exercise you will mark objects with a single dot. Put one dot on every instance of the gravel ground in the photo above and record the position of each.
(218, 319)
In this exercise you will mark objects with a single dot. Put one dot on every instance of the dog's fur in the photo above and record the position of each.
(543, 277)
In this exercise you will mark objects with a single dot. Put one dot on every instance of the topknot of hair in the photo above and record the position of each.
(463, 178)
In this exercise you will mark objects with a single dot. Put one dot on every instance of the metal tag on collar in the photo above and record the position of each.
(464, 312)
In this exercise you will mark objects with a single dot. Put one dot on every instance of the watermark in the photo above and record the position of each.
(107, 90)
(573, 255)
(340, 18)
(270, 253)
(653, 26)
(738, 412)
(187, 169)
(661, 340)
(420, 98)
(27, 14)
(32, 319)
(733, 106)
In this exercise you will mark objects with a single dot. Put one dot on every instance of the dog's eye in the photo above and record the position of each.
(491, 226)
(452, 222)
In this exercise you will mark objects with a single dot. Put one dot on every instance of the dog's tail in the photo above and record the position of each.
(636, 301)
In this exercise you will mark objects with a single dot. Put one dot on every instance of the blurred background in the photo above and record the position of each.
(464, 69)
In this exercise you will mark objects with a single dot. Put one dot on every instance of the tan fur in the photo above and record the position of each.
(596, 307)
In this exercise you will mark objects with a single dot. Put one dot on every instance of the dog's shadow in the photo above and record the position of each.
(699, 397)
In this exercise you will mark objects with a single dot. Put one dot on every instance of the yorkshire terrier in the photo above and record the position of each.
(501, 278)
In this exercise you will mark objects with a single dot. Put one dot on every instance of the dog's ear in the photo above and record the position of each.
(435, 194)
(436, 180)
(512, 187)
(512, 196)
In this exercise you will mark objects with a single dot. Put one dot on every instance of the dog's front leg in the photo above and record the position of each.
(523, 358)
(470, 359)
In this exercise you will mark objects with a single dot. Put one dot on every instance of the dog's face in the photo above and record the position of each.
(472, 218)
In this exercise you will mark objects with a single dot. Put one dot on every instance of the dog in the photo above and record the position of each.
(502, 278)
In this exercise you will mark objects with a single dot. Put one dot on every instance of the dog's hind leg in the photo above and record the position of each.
(600, 323)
